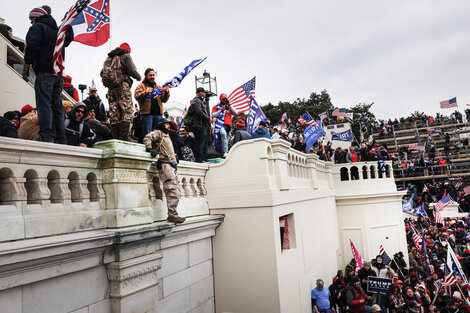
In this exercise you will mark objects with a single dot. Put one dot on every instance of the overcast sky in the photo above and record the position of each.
(402, 55)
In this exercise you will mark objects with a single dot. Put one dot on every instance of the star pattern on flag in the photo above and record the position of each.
(97, 16)
(249, 86)
(80, 5)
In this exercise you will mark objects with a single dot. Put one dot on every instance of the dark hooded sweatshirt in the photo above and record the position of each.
(76, 134)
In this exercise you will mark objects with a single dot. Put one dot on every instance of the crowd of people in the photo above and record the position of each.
(423, 285)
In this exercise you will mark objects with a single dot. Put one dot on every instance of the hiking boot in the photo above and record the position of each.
(175, 219)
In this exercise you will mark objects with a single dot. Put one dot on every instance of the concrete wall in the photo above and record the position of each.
(251, 272)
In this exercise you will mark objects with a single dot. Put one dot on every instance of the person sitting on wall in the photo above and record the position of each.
(8, 124)
(29, 125)
(77, 132)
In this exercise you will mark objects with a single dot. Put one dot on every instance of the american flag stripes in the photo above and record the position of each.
(357, 256)
(240, 97)
(415, 236)
(339, 112)
(416, 146)
(467, 190)
(441, 204)
(438, 217)
(451, 103)
(284, 117)
(306, 119)
(57, 60)
(385, 257)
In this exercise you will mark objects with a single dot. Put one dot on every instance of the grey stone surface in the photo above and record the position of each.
(82, 310)
(174, 260)
(201, 291)
(142, 301)
(200, 251)
(103, 306)
(206, 307)
(66, 293)
(10, 300)
(186, 278)
(176, 303)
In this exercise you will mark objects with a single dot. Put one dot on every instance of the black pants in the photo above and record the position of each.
(200, 143)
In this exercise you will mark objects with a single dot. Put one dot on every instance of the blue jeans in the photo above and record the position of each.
(48, 89)
(224, 139)
(200, 143)
(147, 122)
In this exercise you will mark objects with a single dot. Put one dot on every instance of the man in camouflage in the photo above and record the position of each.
(121, 109)
(159, 142)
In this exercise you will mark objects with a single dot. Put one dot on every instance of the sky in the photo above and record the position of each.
(404, 56)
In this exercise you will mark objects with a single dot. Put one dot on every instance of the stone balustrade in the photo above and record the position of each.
(49, 189)
(361, 177)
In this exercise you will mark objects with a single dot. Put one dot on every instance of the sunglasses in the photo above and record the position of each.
(80, 111)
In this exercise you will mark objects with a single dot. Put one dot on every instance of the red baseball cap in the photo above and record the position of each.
(26, 109)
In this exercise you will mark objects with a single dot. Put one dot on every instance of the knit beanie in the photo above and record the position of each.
(37, 12)
(240, 123)
(125, 46)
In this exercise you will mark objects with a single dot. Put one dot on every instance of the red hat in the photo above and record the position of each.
(126, 47)
(223, 96)
(399, 282)
(26, 109)
(241, 123)
(68, 78)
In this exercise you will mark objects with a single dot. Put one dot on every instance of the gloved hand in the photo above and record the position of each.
(25, 72)
(153, 153)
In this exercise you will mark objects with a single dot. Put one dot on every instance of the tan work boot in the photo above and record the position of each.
(175, 219)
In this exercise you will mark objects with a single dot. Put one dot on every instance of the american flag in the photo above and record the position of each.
(323, 115)
(57, 60)
(339, 112)
(438, 284)
(416, 238)
(357, 256)
(306, 119)
(441, 204)
(449, 277)
(284, 117)
(240, 97)
(457, 184)
(438, 217)
(416, 146)
(385, 257)
(451, 103)
(467, 190)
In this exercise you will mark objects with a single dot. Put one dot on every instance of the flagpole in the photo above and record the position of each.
(110, 28)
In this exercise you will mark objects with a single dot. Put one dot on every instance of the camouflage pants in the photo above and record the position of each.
(121, 108)
(170, 188)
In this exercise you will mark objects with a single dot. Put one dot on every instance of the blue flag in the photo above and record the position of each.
(343, 136)
(311, 136)
(419, 210)
(255, 116)
(176, 81)
(320, 129)
(408, 205)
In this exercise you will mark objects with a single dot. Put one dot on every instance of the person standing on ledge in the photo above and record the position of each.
(159, 142)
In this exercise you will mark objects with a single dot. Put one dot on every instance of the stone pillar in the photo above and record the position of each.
(124, 178)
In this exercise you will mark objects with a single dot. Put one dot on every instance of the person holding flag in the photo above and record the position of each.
(224, 113)
(40, 44)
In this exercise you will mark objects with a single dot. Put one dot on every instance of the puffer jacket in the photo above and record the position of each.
(143, 90)
(40, 43)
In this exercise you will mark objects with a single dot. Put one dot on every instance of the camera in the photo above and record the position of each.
(227, 106)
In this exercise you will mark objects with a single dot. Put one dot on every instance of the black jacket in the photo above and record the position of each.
(76, 134)
(102, 131)
(98, 106)
(201, 115)
(40, 42)
(7, 129)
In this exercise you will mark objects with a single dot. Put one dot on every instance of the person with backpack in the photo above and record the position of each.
(151, 110)
(77, 132)
(117, 73)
